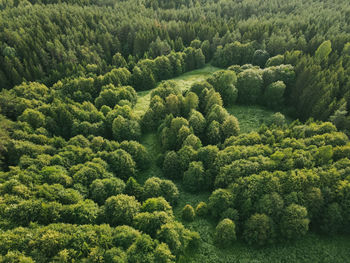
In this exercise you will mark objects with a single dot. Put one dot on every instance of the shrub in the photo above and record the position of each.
(259, 230)
(225, 233)
(188, 213)
(202, 209)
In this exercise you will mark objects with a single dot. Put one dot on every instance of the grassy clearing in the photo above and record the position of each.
(184, 82)
(151, 143)
(251, 117)
(312, 248)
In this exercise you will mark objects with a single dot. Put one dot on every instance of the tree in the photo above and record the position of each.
(259, 230)
(133, 188)
(323, 51)
(249, 85)
(197, 122)
(155, 187)
(138, 153)
(195, 43)
(198, 87)
(230, 127)
(190, 102)
(219, 201)
(16, 256)
(188, 213)
(225, 233)
(143, 78)
(271, 205)
(192, 141)
(119, 61)
(177, 237)
(121, 209)
(173, 104)
(332, 219)
(163, 69)
(273, 96)
(224, 82)
(275, 61)
(142, 250)
(194, 178)
(124, 236)
(114, 255)
(162, 254)
(159, 48)
(150, 223)
(202, 209)
(101, 189)
(339, 117)
(171, 164)
(199, 58)
(33, 117)
(156, 204)
(121, 163)
(108, 96)
(83, 212)
(294, 222)
(278, 119)
(260, 57)
(214, 133)
(207, 155)
(211, 98)
(206, 50)
(124, 129)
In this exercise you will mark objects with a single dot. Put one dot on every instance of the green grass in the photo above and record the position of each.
(309, 249)
(251, 117)
(151, 143)
(184, 82)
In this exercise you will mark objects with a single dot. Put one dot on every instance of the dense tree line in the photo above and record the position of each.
(153, 29)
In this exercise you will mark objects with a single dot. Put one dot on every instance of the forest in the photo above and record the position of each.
(160, 131)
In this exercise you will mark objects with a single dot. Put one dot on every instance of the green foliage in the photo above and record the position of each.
(121, 209)
(225, 233)
(275, 61)
(233, 53)
(249, 85)
(202, 209)
(259, 230)
(273, 95)
(120, 163)
(194, 178)
(101, 189)
(294, 222)
(323, 51)
(188, 213)
(260, 57)
(124, 129)
(156, 187)
(224, 82)
(178, 238)
(219, 201)
(230, 127)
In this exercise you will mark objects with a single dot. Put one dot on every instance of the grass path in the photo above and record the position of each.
(184, 82)
(151, 142)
